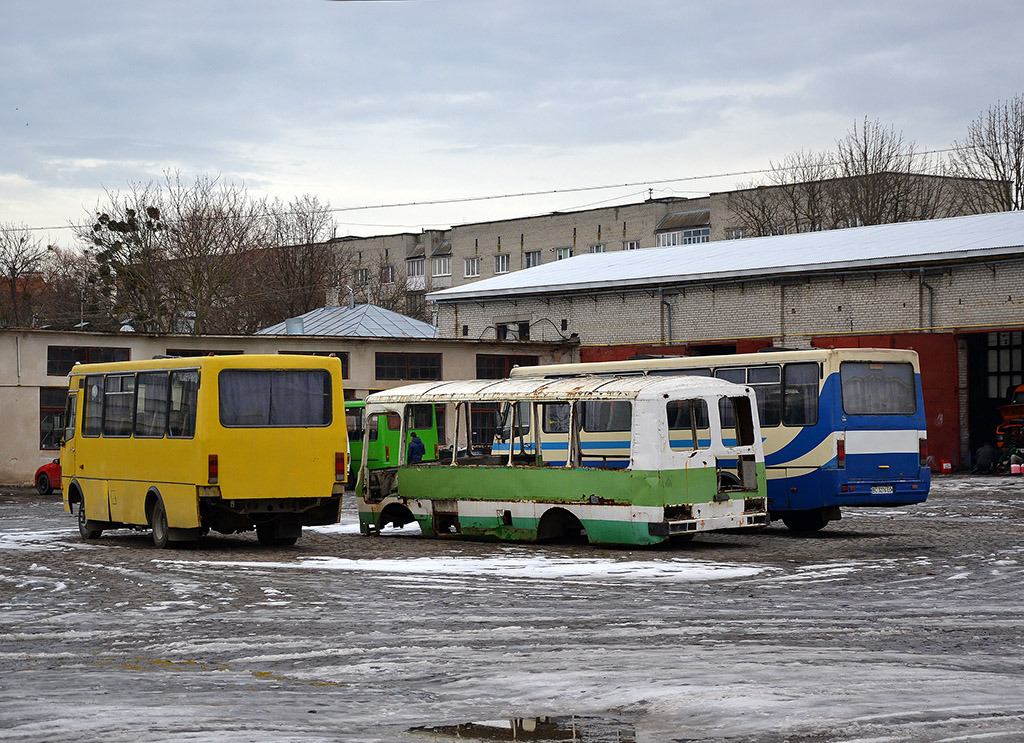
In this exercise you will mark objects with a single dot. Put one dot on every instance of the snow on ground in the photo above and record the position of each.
(891, 625)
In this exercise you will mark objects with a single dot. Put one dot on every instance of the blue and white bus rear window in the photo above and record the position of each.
(876, 388)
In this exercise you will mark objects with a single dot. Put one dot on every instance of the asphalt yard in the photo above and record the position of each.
(890, 625)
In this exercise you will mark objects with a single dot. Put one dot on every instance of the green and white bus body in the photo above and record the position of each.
(614, 460)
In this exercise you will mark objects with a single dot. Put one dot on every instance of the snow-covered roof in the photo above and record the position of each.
(975, 236)
(360, 321)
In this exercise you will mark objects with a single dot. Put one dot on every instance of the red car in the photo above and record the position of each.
(48, 477)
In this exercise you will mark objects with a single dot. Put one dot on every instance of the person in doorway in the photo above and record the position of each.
(986, 459)
(416, 449)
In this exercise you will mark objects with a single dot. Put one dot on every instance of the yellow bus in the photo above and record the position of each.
(183, 446)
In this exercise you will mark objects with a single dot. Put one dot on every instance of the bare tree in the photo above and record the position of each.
(874, 176)
(214, 230)
(301, 271)
(21, 257)
(379, 280)
(993, 150)
(170, 256)
(881, 181)
(72, 293)
(757, 210)
(127, 239)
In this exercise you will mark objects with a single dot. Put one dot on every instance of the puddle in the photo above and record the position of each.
(547, 729)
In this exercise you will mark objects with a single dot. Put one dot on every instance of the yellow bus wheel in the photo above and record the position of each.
(161, 534)
(85, 527)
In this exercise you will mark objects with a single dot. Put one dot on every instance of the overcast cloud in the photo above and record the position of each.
(365, 103)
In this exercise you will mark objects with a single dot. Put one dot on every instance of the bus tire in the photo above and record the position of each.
(161, 533)
(86, 527)
(43, 484)
(805, 522)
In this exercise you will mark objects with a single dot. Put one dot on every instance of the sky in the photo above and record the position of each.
(430, 110)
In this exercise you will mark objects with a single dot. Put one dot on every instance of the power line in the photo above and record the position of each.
(549, 192)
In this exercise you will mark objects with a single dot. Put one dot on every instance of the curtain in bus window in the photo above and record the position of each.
(767, 389)
(607, 415)
(92, 416)
(117, 405)
(875, 388)
(151, 404)
(255, 398)
(181, 414)
(800, 394)
(556, 417)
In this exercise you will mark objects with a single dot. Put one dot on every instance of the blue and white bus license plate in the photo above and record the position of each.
(881, 490)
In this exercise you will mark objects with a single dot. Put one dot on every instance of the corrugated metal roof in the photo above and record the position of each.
(361, 321)
(679, 220)
(977, 236)
(443, 248)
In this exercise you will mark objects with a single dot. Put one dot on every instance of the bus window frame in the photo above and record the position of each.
(166, 404)
(88, 384)
(913, 388)
(195, 402)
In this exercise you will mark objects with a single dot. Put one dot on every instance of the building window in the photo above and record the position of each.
(387, 275)
(498, 366)
(361, 277)
(472, 268)
(696, 235)
(513, 331)
(631, 245)
(1005, 365)
(414, 267)
(51, 416)
(531, 258)
(562, 253)
(343, 355)
(443, 266)
(736, 233)
(415, 303)
(61, 359)
(192, 352)
(501, 263)
(596, 248)
(408, 365)
(667, 239)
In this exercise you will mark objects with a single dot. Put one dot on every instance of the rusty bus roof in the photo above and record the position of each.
(541, 389)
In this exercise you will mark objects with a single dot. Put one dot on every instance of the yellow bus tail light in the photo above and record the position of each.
(213, 469)
(339, 466)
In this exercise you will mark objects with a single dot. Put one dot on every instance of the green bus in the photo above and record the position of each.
(382, 431)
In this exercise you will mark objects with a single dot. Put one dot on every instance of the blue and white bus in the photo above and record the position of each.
(841, 427)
